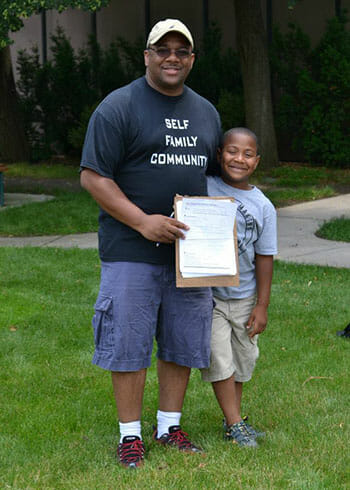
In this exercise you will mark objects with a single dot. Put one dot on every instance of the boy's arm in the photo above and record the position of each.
(263, 272)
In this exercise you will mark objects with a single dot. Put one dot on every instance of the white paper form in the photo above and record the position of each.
(209, 246)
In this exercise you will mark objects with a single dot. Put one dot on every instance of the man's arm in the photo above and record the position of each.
(154, 227)
(263, 272)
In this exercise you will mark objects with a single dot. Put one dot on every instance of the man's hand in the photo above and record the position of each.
(154, 227)
(162, 229)
(257, 321)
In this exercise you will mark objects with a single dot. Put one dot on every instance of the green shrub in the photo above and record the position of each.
(231, 109)
(216, 76)
(312, 93)
(57, 96)
(76, 134)
(326, 95)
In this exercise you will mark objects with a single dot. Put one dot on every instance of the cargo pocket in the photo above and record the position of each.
(102, 323)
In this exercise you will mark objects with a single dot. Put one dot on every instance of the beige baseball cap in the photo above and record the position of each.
(168, 25)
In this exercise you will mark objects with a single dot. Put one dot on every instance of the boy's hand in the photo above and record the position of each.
(257, 321)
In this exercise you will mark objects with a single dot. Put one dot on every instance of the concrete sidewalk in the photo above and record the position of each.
(296, 239)
(296, 232)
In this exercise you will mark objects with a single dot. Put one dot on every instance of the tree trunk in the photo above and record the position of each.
(253, 54)
(13, 142)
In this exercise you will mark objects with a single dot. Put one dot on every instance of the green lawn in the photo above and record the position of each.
(336, 229)
(43, 170)
(69, 212)
(57, 416)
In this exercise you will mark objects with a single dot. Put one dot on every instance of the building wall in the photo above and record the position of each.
(127, 19)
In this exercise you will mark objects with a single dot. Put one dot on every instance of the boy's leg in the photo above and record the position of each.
(224, 363)
(225, 392)
(238, 389)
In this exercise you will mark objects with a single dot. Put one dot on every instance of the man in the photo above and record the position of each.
(146, 142)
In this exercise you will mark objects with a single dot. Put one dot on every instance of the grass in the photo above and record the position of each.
(281, 197)
(75, 212)
(57, 417)
(293, 175)
(335, 229)
(43, 170)
(69, 212)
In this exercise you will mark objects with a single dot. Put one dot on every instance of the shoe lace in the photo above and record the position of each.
(240, 429)
(244, 430)
(131, 452)
(180, 438)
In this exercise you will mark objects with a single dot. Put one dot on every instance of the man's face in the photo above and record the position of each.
(167, 74)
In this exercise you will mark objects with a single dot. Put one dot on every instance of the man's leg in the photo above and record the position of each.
(128, 390)
(173, 381)
(183, 338)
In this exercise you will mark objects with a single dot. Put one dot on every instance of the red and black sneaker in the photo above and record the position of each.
(131, 451)
(177, 438)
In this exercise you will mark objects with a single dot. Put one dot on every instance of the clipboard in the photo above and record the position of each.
(204, 281)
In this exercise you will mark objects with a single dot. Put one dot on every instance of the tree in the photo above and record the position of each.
(13, 143)
(253, 54)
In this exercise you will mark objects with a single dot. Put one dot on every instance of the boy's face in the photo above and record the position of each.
(238, 159)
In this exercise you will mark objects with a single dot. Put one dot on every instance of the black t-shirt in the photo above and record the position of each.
(153, 146)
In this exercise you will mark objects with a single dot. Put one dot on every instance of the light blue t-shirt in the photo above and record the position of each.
(256, 233)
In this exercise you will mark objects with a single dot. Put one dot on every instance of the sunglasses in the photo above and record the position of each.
(181, 53)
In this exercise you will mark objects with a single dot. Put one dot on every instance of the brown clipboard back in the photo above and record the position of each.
(204, 281)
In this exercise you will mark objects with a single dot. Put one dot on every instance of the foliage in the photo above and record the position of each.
(289, 55)
(76, 135)
(216, 76)
(231, 109)
(312, 91)
(57, 98)
(12, 12)
(326, 95)
(58, 419)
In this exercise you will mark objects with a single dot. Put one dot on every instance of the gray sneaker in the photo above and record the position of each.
(238, 434)
(253, 432)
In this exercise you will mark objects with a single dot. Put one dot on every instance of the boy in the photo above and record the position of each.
(241, 312)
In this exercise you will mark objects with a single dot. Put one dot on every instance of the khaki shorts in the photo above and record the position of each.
(232, 351)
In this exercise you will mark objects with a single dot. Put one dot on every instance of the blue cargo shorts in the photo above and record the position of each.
(138, 302)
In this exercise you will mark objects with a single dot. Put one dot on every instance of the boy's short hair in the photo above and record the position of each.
(242, 130)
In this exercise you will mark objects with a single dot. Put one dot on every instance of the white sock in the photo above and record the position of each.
(130, 429)
(166, 420)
